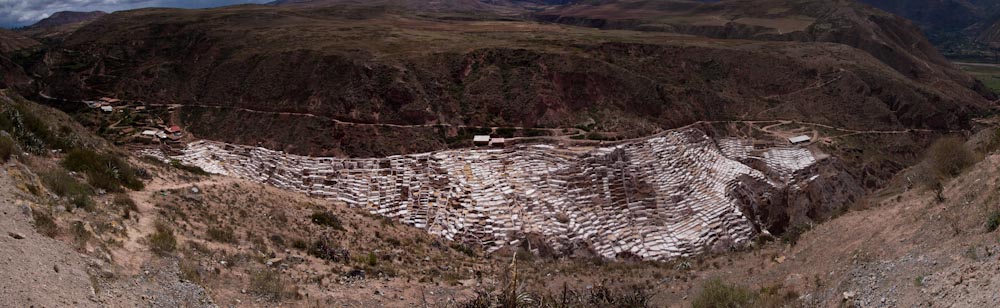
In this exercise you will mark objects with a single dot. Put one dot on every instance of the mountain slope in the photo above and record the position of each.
(64, 18)
(891, 39)
(11, 73)
(372, 64)
(60, 24)
(11, 41)
(960, 28)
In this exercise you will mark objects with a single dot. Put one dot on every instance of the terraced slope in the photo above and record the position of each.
(668, 196)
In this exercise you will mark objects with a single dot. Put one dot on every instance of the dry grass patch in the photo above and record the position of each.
(163, 242)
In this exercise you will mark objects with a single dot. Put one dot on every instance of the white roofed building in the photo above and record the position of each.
(481, 139)
(799, 139)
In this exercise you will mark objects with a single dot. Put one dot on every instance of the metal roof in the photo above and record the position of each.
(799, 139)
(481, 138)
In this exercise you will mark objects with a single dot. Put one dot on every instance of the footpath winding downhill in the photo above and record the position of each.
(146, 224)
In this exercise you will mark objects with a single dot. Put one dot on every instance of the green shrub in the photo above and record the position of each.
(536, 133)
(993, 221)
(84, 202)
(300, 244)
(328, 250)
(125, 203)
(163, 242)
(948, 157)
(222, 235)
(793, 233)
(63, 184)
(372, 259)
(718, 294)
(268, 285)
(7, 148)
(30, 131)
(190, 169)
(516, 295)
(596, 136)
(468, 251)
(45, 224)
(104, 171)
(506, 132)
(326, 218)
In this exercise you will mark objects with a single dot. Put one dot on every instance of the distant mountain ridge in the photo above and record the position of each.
(960, 28)
(67, 17)
(60, 24)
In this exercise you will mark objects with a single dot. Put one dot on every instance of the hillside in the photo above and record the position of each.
(962, 29)
(12, 41)
(12, 44)
(908, 248)
(638, 153)
(186, 238)
(60, 24)
(356, 65)
(893, 40)
(64, 18)
(181, 237)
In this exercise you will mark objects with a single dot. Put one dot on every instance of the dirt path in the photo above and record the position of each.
(135, 251)
(978, 64)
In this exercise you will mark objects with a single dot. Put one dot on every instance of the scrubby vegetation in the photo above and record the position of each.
(717, 293)
(191, 169)
(31, 132)
(326, 218)
(7, 148)
(326, 249)
(268, 284)
(222, 235)
(163, 242)
(126, 204)
(948, 157)
(792, 235)
(45, 224)
(65, 185)
(993, 221)
(597, 296)
(105, 171)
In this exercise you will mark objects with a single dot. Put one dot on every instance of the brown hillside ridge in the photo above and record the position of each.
(196, 240)
(58, 19)
(817, 61)
(60, 24)
(11, 44)
(889, 38)
(495, 153)
(11, 41)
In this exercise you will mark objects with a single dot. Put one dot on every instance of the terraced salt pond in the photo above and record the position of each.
(666, 196)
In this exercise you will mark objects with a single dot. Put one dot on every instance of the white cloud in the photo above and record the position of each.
(15, 13)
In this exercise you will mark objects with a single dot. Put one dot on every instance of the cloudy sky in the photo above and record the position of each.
(16, 13)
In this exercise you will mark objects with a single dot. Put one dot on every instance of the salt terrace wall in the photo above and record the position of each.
(664, 197)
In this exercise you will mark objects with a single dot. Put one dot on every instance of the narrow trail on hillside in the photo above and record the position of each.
(145, 225)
